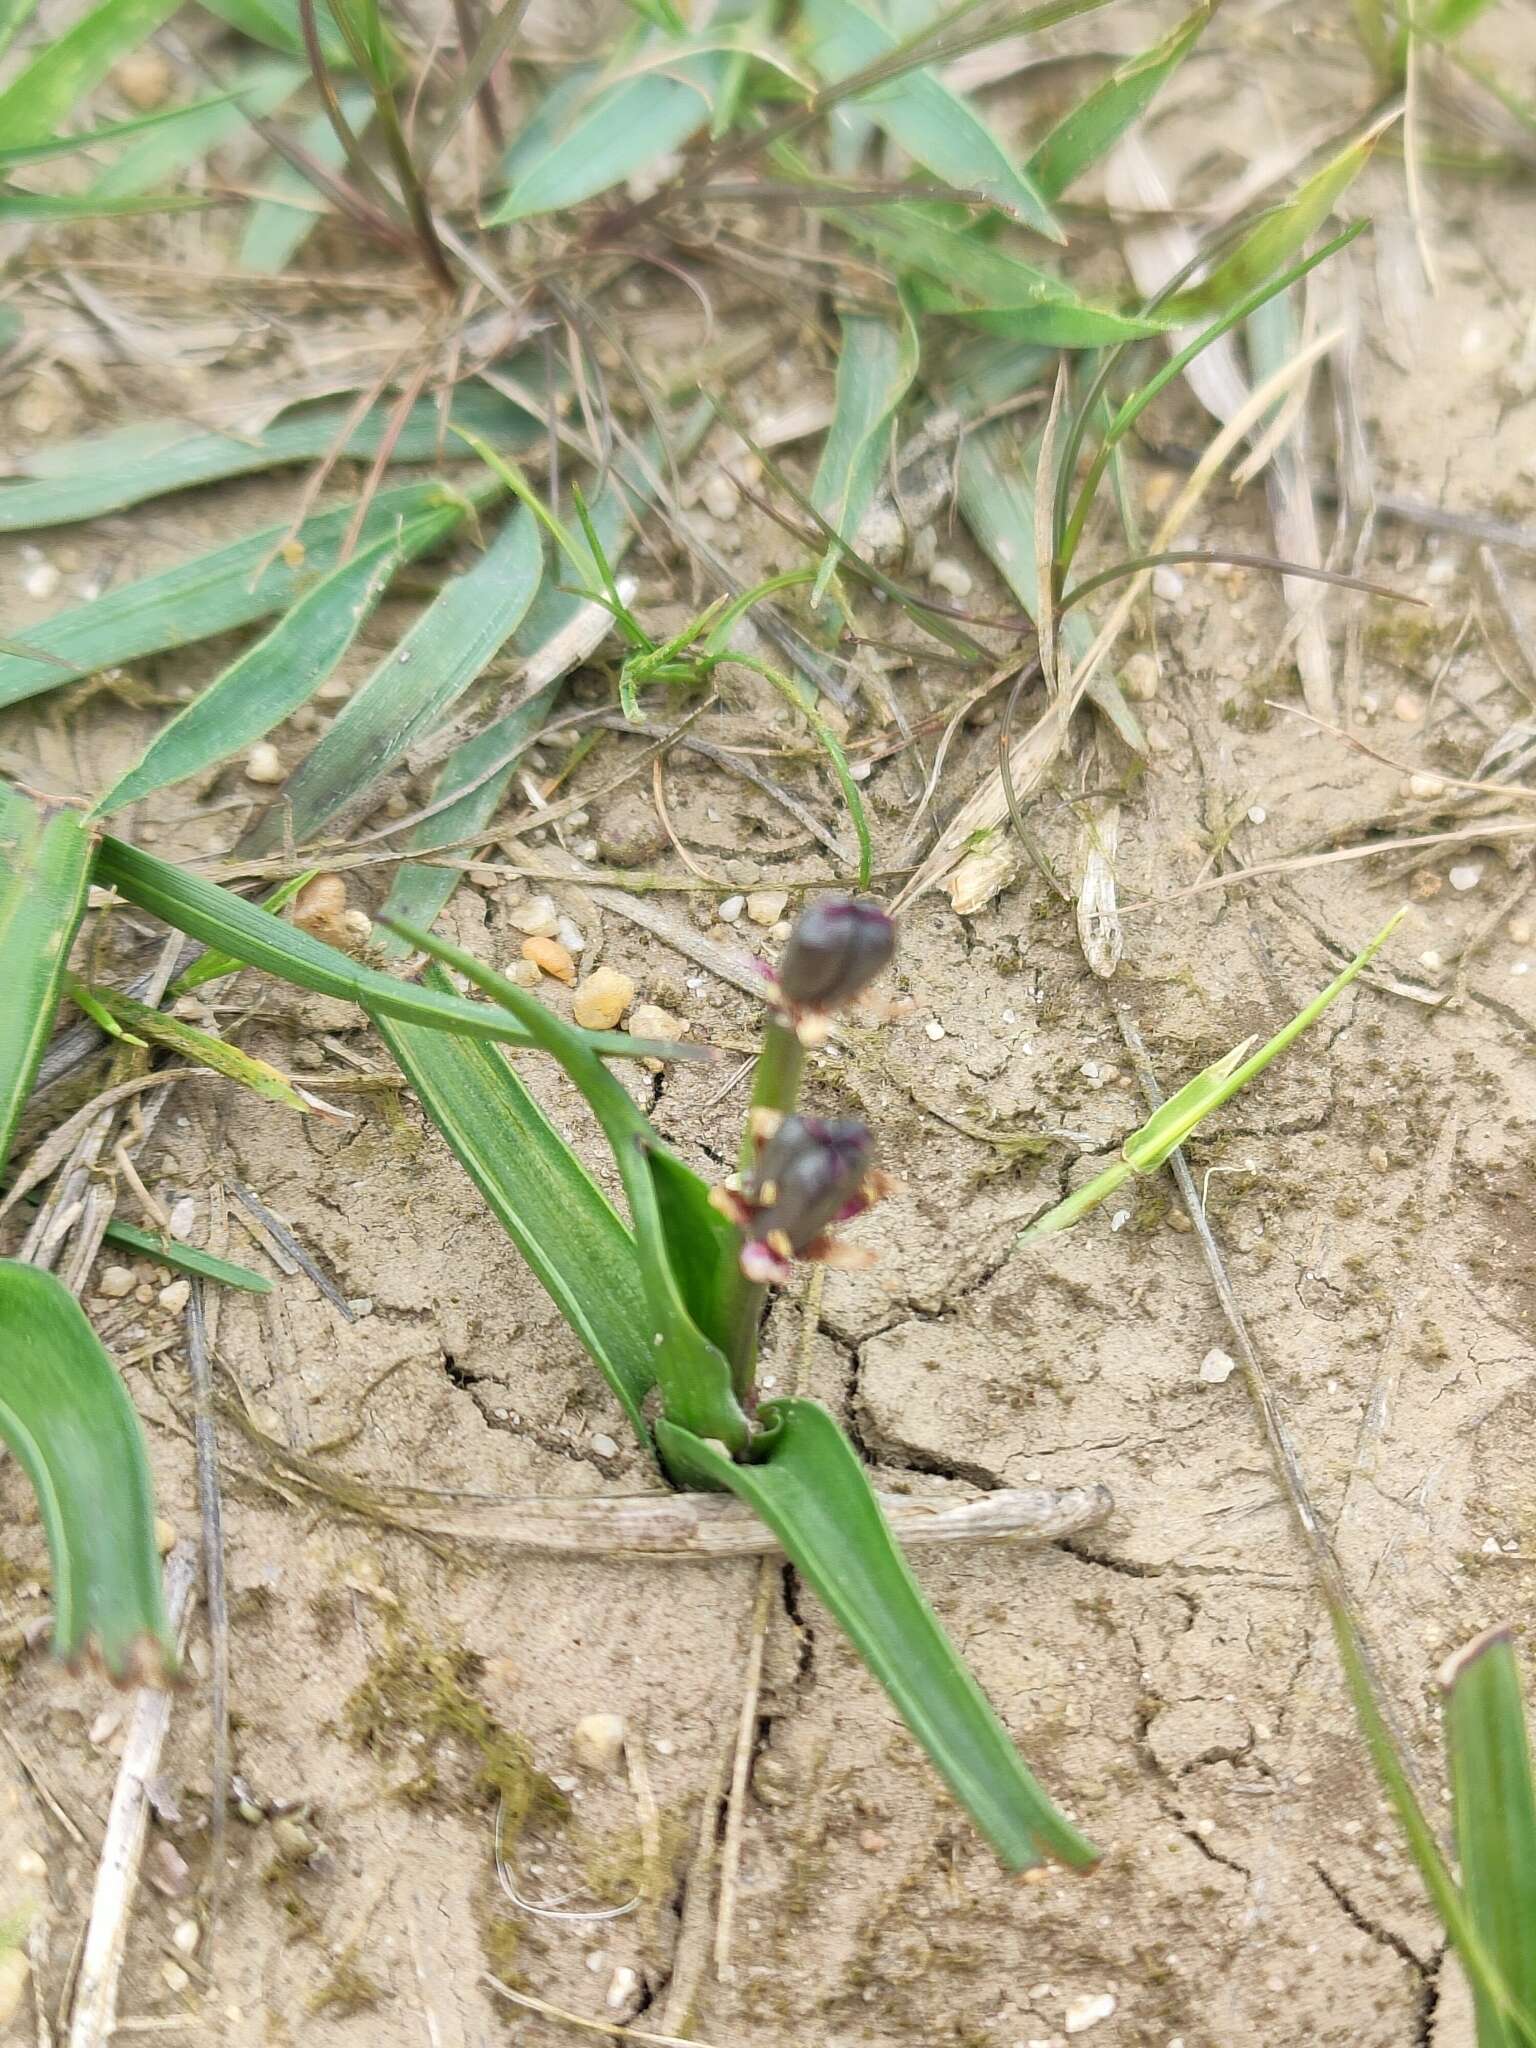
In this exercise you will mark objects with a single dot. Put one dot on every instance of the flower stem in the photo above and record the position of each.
(776, 1085)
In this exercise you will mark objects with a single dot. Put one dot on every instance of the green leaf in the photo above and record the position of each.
(14, 16)
(251, 935)
(66, 1416)
(40, 96)
(1270, 245)
(805, 1482)
(935, 126)
(952, 271)
(45, 867)
(618, 131)
(1495, 1809)
(17, 205)
(186, 1258)
(234, 586)
(1449, 17)
(691, 1370)
(271, 680)
(168, 150)
(158, 1027)
(414, 687)
(1093, 127)
(543, 1197)
(276, 23)
(875, 368)
(1151, 1146)
(107, 472)
(114, 131)
(276, 230)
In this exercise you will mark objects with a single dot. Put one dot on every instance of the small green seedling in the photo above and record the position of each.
(1155, 1142)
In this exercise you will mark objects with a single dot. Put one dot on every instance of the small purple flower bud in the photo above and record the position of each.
(808, 1175)
(834, 953)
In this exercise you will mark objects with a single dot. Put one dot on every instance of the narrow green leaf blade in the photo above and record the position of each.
(108, 472)
(96, 138)
(276, 23)
(875, 369)
(935, 126)
(169, 150)
(543, 1197)
(202, 1048)
(39, 98)
(45, 867)
(232, 586)
(186, 1258)
(251, 935)
(271, 680)
(1093, 127)
(810, 1489)
(623, 128)
(68, 1419)
(414, 687)
(1495, 1810)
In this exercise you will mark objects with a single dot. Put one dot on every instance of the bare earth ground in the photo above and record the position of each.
(1170, 1674)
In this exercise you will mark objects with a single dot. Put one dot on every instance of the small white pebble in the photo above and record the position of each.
(1490, 1546)
(264, 763)
(952, 577)
(1407, 708)
(1257, 814)
(30, 1864)
(524, 973)
(934, 1029)
(41, 581)
(861, 771)
(767, 906)
(176, 1296)
(115, 1282)
(174, 1977)
(1441, 571)
(1084, 2013)
(731, 909)
(1430, 958)
(535, 917)
(1426, 787)
(604, 1446)
(187, 1934)
(598, 1960)
(1167, 584)
(1521, 967)
(1466, 876)
(721, 498)
(183, 1216)
(622, 1986)
(597, 1741)
(1138, 678)
(1217, 1367)
(571, 936)
(1521, 930)
(1120, 1219)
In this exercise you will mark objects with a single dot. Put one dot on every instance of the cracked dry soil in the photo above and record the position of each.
(1169, 1674)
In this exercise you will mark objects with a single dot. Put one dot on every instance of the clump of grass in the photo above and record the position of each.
(347, 1989)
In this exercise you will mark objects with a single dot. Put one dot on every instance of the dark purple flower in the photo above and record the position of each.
(810, 1174)
(834, 952)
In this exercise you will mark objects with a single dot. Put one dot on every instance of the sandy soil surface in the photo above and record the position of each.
(1170, 1674)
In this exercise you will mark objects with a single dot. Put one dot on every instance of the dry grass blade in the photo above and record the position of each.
(93, 2019)
(211, 1508)
(610, 2028)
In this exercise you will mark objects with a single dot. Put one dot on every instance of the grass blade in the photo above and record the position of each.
(875, 369)
(275, 230)
(414, 687)
(810, 1489)
(67, 1417)
(219, 918)
(45, 866)
(621, 128)
(40, 97)
(541, 1194)
(108, 472)
(271, 680)
(185, 1258)
(691, 1370)
(1093, 127)
(234, 586)
(936, 127)
(170, 149)
(953, 272)
(276, 23)
(1495, 1808)
(95, 138)
(202, 1048)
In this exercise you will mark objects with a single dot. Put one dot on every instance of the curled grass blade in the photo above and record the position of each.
(806, 1484)
(66, 1416)
(271, 680)
(415, 685)
(45, 867)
